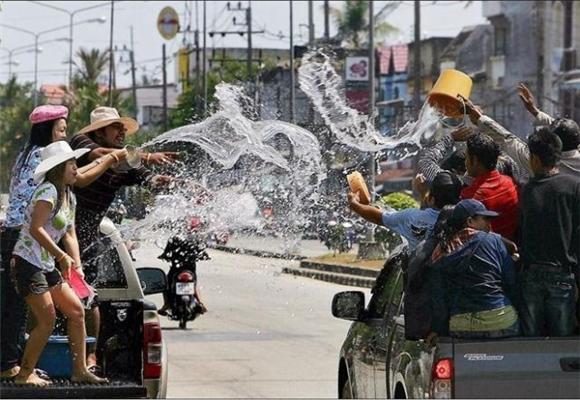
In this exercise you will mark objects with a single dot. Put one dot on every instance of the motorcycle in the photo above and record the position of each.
(181, 296)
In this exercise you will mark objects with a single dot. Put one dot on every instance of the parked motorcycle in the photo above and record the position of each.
(182, 302)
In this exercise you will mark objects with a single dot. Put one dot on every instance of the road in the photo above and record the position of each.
(266, 334)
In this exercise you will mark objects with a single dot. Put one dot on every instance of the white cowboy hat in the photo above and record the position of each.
(54, 154)
(105, 116)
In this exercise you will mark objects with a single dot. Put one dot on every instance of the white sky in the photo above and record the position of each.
(444, 18)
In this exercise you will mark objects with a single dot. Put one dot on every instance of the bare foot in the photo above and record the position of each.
(87, 377)
(11, 372)
(30, 379)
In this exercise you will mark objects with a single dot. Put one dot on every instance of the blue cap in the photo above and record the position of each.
(470, 208)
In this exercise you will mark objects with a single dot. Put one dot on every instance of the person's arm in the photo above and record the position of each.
(40, 216)
(368, 212)
(91, 172)
(508, 270)
(159, 158)
(431, 158)
(527, 98)
(508, 142)
(71, 245)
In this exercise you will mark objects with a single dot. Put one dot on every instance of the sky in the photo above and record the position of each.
(441, 18)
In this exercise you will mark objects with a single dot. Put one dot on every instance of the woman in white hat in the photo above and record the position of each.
(48, 220)
(48, 125)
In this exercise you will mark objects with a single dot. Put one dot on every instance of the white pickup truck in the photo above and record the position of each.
(130, 349)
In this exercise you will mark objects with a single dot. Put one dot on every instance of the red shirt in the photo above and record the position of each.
(498, 193)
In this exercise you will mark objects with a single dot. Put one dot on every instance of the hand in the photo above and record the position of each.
(474, 112)
(66, 263)
(528, 99)
(80, 271)
(420, 185)
(162, 158)
(462, 134)
(353, 199)
(161, 180)
(120, 155)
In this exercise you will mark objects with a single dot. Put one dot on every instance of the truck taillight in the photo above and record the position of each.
(442, 379)
(152, 350)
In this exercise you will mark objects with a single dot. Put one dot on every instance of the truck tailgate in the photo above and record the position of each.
(517, 368)
(68, 390)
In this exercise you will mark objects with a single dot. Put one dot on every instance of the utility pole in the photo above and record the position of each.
(292, 92)
(111, 54)
(164, 89)
(310, 23)
(204, 78)
(417, 60)
(569, 64)
(372, 99)
(326, 21)
(133, 80)
(249, 23)
(197, 80)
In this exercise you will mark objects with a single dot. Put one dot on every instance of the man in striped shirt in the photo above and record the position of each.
(106, 133)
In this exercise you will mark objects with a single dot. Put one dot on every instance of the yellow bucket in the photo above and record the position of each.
(443, 96)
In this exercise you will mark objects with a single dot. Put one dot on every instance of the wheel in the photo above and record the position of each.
(182, 323)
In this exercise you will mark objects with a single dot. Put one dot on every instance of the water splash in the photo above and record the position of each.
(319, 80)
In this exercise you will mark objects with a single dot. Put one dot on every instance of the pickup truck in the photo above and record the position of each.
(130, 348)
(378, 361)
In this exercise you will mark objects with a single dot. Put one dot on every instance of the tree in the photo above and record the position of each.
(353, 22)
(85, 93)
(15, 105)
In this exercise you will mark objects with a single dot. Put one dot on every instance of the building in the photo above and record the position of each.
(534, 42)
(150, 103)
(392, 93)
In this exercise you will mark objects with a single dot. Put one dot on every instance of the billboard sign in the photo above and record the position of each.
(357, 69)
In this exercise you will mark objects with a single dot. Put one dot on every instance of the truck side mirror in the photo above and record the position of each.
(153, 280)
(348, 305)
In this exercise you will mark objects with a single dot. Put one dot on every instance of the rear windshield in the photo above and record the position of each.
(104, 267)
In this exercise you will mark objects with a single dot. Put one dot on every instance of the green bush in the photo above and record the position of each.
(397, 201)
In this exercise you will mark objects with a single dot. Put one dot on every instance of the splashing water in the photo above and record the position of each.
(319, 80)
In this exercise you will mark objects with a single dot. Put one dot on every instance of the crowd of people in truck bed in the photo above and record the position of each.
(59, 193)
(495, 247)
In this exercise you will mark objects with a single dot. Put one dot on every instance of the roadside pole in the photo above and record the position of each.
(164, 90)
(134, 81)
(204, 77)
(370, 232)
(111, 55)
(292, 92)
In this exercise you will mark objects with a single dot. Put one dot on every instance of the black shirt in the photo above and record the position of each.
(550, 225)
(98, 196)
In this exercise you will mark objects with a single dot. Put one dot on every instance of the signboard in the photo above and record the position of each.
(357, 69)
(168, 23)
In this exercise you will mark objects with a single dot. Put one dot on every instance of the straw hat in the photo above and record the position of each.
(105, 116)
(54, 154)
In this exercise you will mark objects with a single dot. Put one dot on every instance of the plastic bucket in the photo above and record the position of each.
(357, 184)
(56, 358)
(443, 96)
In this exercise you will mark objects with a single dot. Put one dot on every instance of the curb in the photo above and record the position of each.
(339, 269)
(256, 253)
(341, 279)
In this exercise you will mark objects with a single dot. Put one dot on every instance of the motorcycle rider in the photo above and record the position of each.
(182, 254)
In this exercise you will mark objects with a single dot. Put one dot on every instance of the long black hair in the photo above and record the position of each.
(40, 135)
(446, 228)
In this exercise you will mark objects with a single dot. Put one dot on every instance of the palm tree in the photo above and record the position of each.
(353, 21)
(92, 64)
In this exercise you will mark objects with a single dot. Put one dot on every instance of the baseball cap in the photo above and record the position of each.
(470, 208)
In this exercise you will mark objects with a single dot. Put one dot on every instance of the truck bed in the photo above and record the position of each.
(517, 368)
(65, 389)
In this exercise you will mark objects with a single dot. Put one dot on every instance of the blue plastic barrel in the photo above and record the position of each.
(56, 358)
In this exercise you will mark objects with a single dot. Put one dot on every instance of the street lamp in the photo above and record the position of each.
(29, 48)
(71, 15)
(37, 35)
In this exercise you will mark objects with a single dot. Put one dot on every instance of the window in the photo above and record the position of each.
(389, 283)
(109, 269)
(500, 41)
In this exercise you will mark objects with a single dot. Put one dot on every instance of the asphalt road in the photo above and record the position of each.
(266, 334)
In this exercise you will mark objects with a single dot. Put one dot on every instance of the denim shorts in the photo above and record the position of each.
(29, 279)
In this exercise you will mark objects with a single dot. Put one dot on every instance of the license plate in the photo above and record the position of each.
(184, 288)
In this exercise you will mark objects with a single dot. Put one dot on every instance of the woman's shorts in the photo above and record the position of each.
(29, 279)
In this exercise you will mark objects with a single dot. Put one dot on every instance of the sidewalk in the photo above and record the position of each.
(315, 261)
(266, 246)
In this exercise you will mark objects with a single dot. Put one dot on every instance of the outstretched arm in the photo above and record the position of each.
(429, 162)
